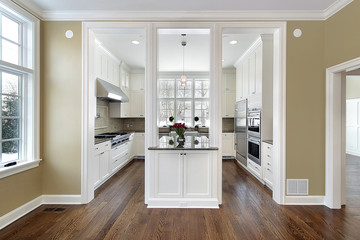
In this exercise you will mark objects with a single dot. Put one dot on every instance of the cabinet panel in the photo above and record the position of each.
(168, 175)
(228, 144)
(137, 81)
(252, 80)
(239, 82)
(245, 78)
(137, 104)
(104, 165)
(139, 144)
(197, 169)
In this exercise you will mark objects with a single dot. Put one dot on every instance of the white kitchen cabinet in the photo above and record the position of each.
(137, 81)
(239, 82)
(228, 93)
(267, 163)
(182, 174)
(255, 169)
(125, 78)
(106, 66)
(228, 144)
(137, 104)
(353, 126)
(101, 162)
(139, 144)
(119, 157)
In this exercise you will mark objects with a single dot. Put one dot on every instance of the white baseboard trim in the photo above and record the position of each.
(35, 203)
(183, 203)
(304, 200)
(61, 199)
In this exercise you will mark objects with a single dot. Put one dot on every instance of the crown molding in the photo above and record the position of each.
(300, 15)
(335, 7)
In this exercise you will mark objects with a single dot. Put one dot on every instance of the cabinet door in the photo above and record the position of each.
(104, 65)
(228, 144)
(110, 71)
(96, 174)
(252, 79)
(197, 174)
(239, 82)
(125, 109)
(137, 104)
(97, 63)
(104, 165)
(139, 144)
(245, 83)
(230, 104)
(137, 81)
(168, 169)
(258, 69)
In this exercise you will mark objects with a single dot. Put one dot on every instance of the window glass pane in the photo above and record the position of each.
(201, 89)
(167, 89)
(10, 128)
(10, 151)
(184, 112)
(10, 29)
(10, 84)
(184, 92)
(10, 106)
(10, 52)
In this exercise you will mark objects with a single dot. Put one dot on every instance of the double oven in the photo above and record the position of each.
(254, 137)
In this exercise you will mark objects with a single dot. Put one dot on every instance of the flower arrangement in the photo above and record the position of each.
(180, 128)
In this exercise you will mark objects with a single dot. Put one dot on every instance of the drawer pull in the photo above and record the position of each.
(268, 164)
(268, 169)
(106, 145)
(102, 153)
(268, 155)
(97, 148)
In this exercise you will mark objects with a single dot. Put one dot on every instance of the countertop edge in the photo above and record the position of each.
(269, 141)
(192, 149)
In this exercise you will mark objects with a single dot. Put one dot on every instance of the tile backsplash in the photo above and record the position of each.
(103, 123)
(134, 124)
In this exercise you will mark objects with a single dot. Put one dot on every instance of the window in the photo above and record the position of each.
(18, 88)
(184, 102)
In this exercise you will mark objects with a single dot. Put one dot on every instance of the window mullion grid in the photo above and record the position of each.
(1, 103)
(1, 30)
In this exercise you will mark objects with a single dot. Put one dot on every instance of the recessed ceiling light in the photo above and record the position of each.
(136, 42)
(223, 60)
(233, 42)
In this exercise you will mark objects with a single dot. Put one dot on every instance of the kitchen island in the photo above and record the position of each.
(184, 175)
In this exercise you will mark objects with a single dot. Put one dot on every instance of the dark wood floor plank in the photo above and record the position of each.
(248, 212)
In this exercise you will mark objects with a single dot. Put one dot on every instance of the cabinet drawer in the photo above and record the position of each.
(102, 147)
(116, 152)
(268, 176)
(254, 168)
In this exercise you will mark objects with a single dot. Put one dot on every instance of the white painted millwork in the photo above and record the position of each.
(180, 177)
(335, 146)
(228, 93)
(267, 163)
(106, 65)
(353, 126)
(228, 144)
(108, 161)
(255, 169)
(139, 144)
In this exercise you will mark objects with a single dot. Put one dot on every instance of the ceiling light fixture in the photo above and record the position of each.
(136, 42)
(183, 77)
(233, 42)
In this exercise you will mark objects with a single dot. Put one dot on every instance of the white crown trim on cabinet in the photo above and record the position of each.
(71, 15)
(19, 212)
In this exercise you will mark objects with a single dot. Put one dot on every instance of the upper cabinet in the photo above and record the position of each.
(254, 71)
(228, 93)
(106, 66)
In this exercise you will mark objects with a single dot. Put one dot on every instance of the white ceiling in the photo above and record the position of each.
(184, 5)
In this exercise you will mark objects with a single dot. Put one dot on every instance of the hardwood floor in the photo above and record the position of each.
(248, 212)
(353, 185)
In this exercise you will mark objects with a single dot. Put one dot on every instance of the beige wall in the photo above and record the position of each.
(305, 106)
(61, 108)
(352, 87)
(19, 189)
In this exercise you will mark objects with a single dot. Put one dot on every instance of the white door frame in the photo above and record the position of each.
(333, 136)
(88, 95)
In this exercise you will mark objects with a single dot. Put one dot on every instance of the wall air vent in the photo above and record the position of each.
(297, 186)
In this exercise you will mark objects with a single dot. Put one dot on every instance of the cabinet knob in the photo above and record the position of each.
(268, 155)
(102, 153)
(97, 148)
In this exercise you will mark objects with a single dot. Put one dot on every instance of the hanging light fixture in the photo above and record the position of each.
(183, 77)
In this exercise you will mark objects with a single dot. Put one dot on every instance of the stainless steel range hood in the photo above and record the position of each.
(110, 92)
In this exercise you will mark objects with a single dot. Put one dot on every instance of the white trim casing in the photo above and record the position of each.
(271, 15)
(333, 135)
(35, 203)
(304, 200)
(20, 167)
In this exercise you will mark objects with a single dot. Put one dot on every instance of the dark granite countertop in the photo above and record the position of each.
(269, 141)
(191, 143)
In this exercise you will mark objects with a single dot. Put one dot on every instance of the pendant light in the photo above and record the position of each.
(183, 77)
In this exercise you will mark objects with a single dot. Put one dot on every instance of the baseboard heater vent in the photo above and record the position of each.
(298, 187)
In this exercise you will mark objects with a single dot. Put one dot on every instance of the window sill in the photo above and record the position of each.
(20, 167)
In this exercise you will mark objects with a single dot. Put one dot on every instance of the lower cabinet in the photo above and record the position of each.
(108, 161)
(255, 169)
(228, 144)
(182, 174)
(267, 164)
(139, 144)
(101, 162)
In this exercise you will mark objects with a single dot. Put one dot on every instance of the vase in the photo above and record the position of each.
(181, 140)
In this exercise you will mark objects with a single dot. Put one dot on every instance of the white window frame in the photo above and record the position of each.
(29, 69)
(176, 77)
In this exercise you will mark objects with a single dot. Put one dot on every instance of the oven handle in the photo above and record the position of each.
(254, 141)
